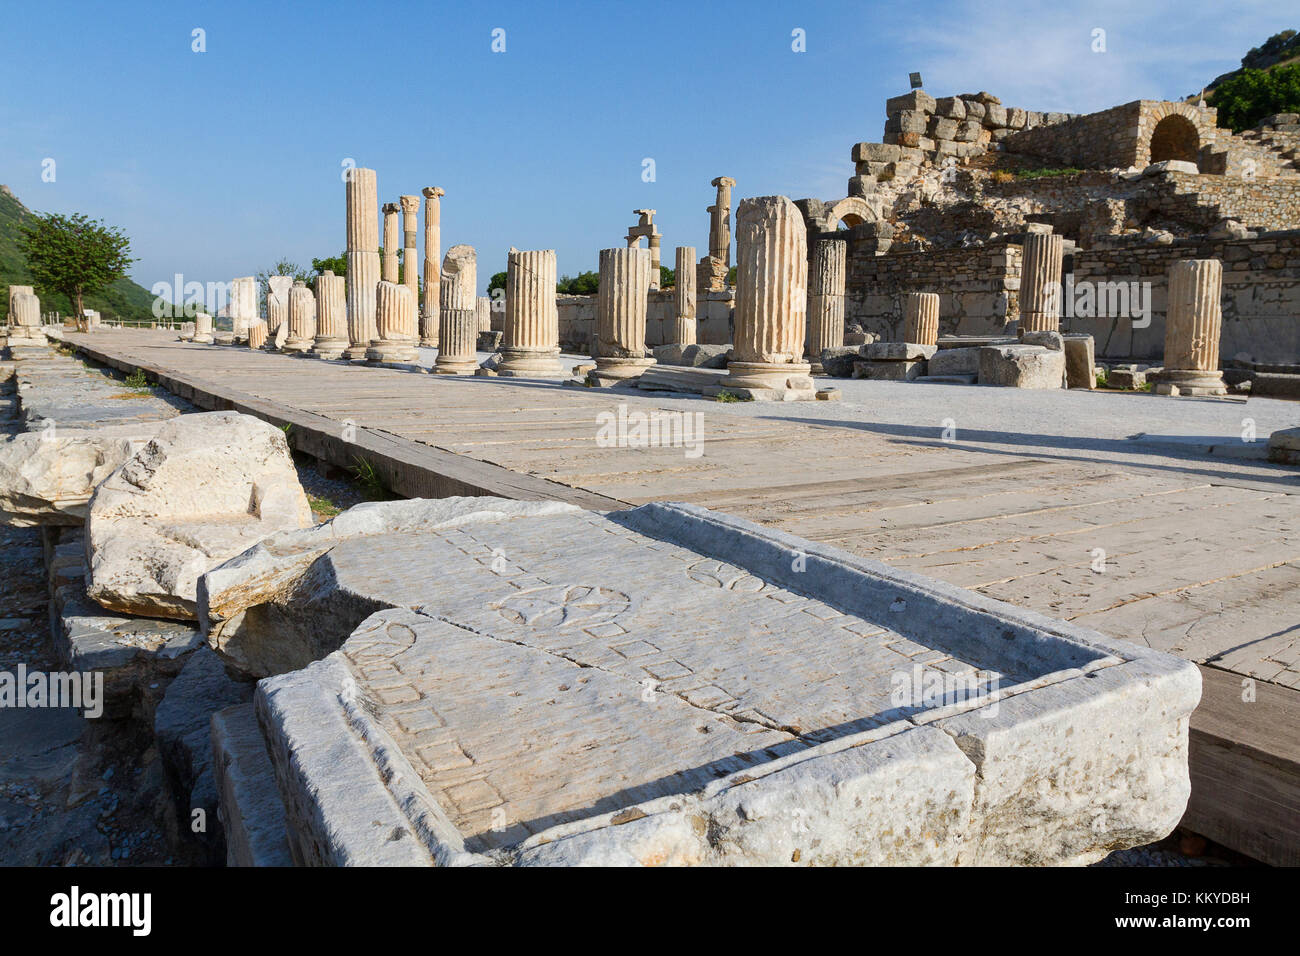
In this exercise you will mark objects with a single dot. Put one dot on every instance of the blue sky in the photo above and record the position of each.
(218, 163)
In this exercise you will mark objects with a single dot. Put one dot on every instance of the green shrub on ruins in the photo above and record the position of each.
(1248, 96)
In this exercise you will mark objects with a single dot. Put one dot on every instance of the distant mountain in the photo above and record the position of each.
(122, 299)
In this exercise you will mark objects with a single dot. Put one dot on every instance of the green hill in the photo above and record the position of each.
(122, 299)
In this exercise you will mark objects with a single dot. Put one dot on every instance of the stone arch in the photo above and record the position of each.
(1175, 137)
(852, 211)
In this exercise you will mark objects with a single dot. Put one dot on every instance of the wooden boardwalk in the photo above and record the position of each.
(1199, 567)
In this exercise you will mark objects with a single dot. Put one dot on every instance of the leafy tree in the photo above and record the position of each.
(731, 276)
(285, 268)
(667, 277)
(584, 283)
(1247, 97)
(335, 264)
(498, 281)
(74, 255)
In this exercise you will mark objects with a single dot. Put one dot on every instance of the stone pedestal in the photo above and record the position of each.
(331, 317)
(684, 297)
(202, 328)
(530, 345)
(363, 259)
(15, 291)
(621, 315)
(243, 304)
(457, 313)
(256, 334)
(277, 318)
(395, 341)
(1192, 324)
(432, 253)
(825, 299)
(1040, 283)
(25, 316)
(771, 301)
(392, 237)
(302, 319)
(921, 318)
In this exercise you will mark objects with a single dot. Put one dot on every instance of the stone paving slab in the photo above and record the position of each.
(672, 685)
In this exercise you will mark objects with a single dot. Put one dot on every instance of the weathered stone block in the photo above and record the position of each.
(951, 107)
(891, 371)
(915, 101)
(1021, 366)
(898, 351)
(955, 362)
(1080, 361)
(875, 153)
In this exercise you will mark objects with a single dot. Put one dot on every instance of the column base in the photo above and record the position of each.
(297, 345)
(454, 366)
(329, 348)
(384, 352)
(1190, 382)
(429, 342)
(770, 381)
(355, 353)
(530, 363)
(611, 370)
(202, 340)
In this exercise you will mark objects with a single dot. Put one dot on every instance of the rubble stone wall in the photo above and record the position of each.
(713, 319)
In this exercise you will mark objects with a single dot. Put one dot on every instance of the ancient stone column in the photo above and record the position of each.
(771, 298)
(483, 313)
(825, 299)
(331, 317)
(363, 259)
(243, 304)
(277, 318)
(655, 261)
(1192, 325)
(302, 319)
(395, 338)
(720, 221)
(621, 302)
(202, 328)
(256, 334)
(530, 344)
(921, 318)
(15, 291)
(25, 315)
(684, 296)
(410, 220)
(1040, 283)
(392, 228)
(432, 251)
(458, 313)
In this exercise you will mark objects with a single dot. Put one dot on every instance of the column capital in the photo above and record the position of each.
(391, 207)
(409, 204)
(723, 181)
(433, 192)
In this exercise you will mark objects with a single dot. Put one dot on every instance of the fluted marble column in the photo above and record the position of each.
(14, 292)
(684, 297)
(256, 334)
(921, 318)
(410, 221)
(530, 344)
(621, 302)
(771, 298)
(302, 319)
(1192, 325)
(1040, 283)
(395, 338)
(825, 299)
(331, 317)
(483, 313)
(392, 238)
(243, 304)
(432, 278)
(277, 318)
(458, 313)
(363, 259)
(720, 221)
(202, 328)
(25, 316)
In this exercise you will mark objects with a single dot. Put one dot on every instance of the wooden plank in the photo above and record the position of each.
(1245, 768)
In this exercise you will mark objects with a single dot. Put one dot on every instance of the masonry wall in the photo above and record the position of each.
(978, 288)
(1107, 139)
(1261, 295)
(713, 319)
(1264, 204)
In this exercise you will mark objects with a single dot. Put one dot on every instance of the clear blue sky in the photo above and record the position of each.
(218, 163)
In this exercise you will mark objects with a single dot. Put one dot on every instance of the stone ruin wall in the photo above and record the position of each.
(1267, 204)
(713, 319)
(979, 292)
(1107, 139)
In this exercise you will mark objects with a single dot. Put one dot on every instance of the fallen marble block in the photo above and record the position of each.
(290, 600)
(204, 489)
(963, 361)
(889, 371)
(693, 356)
(249, 806)
(669, 685)
(1022, 366)
(48, 476)
(182, 730)
(898, 352)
